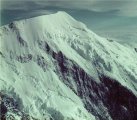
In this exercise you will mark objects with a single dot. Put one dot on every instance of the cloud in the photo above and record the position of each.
(123, 7)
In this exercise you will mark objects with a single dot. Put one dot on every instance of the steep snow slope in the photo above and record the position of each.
(57, 67)
(30, 73)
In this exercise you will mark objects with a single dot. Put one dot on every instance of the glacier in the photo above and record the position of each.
(54, 68)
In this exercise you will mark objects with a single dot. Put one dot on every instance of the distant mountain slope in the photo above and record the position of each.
(54, 67)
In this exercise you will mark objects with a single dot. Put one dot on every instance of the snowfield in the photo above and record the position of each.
(49, 64)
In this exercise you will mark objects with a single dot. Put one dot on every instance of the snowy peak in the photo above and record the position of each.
(59, 20)
(60, 59)
(63, 33)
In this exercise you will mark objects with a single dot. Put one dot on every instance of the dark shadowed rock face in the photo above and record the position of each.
(3, 111)
(107, 100)
(110, 97)
(121, 102)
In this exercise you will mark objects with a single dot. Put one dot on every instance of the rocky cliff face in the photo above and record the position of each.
(60, 70)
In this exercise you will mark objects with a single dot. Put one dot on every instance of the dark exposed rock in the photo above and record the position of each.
(61, 62)
(1, 54)
(12, 25)
(24, 58)
(10, 104)
(21, 41)
(3, 111)
(44, 46)
(136, 49)
(41, 62)
(121, 102)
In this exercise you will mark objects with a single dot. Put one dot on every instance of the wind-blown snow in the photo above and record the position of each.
(39, 86)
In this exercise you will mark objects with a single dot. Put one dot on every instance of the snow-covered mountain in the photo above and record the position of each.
(53, 67)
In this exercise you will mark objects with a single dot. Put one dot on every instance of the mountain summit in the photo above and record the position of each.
(53, 67)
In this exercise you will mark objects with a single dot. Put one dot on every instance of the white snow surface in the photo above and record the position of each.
(39, 88)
